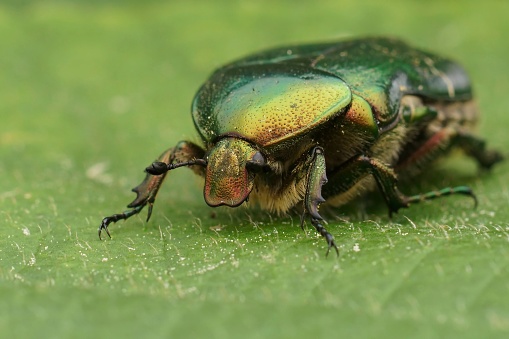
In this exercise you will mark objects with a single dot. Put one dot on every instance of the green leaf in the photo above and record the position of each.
(92, 92)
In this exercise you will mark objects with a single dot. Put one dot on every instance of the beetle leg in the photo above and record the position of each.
(476, 148)
(116, 217)
(449, 127)
(359, 167)
(185, 153)
(315, 179)
(343, 179)
(465, 190)
(446, 138)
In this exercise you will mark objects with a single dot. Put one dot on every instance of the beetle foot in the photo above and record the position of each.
(104, 225)
(395, 206)
(324, 233)
(116, 217)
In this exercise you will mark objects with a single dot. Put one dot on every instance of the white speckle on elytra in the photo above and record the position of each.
(356, 248)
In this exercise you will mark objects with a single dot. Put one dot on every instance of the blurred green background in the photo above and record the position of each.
(92, 91)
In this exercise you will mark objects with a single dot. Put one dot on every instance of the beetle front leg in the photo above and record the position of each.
(116, 217)
(185, 153)
(315, 179)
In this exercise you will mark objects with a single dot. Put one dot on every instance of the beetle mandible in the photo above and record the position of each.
(322, 122)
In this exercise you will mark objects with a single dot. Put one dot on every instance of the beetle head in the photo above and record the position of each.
(231, 167)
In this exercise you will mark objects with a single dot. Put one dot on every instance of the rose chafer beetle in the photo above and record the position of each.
(322, 123)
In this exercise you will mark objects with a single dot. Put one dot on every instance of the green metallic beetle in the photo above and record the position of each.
(278, 125)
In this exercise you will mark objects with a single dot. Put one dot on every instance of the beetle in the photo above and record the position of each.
(319, 123)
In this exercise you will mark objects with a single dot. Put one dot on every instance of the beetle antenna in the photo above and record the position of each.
(158, 167)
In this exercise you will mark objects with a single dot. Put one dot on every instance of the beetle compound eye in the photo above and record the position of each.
(258, 158)
(257, 163)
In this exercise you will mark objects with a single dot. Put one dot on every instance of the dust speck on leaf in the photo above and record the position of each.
(97, 172)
